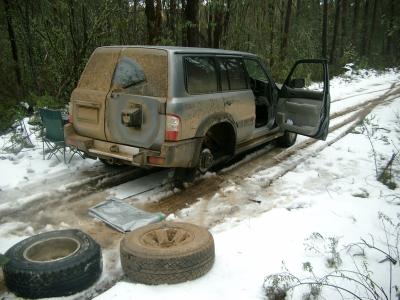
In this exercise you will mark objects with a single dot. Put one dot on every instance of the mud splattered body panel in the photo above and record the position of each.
(162, 106)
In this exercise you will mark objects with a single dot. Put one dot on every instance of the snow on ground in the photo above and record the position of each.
(334, 193)
(29, 166)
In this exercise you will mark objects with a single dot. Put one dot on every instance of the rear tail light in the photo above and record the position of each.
(156, 160)
(172, 128)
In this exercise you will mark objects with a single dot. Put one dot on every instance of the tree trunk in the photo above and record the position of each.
(192, 27)
(13, 44)
(135, 18)
(286, 29)
(158, 19)
(153, 29)
(218, 20)
(389, 45)
(172, 19)
(332, 57)
(344, 27)
(373, 25)
(298, 8)
(355, 32)
(364, 40)
(227, 16)
(325, 29)
(271, 10)
(209, 25)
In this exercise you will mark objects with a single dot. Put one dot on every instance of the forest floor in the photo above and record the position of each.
(272, 210)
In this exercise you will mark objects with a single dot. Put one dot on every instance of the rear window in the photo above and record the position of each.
(142, 72)
(99, 70)
(201, 75)
(138, 71)
(128, 73)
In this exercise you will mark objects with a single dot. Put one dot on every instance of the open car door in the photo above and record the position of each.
(303, 105)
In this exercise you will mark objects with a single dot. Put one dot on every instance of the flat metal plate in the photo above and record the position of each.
(122, 216)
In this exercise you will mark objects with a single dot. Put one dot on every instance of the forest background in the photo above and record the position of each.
(45, 44)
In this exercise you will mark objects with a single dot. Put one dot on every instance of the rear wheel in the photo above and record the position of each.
(206, 160)
(287, 140)
(218, 147)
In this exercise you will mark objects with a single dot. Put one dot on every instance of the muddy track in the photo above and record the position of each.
(31, 196)
(207, 187)
(18, 203)
(69, 206)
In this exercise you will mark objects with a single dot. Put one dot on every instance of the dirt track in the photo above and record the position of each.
(71, 207)
(205, 188)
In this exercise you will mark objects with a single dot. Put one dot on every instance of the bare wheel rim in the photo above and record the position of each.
(291, 136)
(52, 249)
(167, 237)
(206, 160)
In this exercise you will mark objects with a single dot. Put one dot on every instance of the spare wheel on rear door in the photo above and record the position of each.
(167, 252)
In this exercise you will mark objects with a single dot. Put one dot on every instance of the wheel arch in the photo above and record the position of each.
(223, 122)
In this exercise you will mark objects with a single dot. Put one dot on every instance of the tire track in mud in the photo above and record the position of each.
(32, 199)
(206, 188)
(32, 194)
(360, 94)
(66, 206)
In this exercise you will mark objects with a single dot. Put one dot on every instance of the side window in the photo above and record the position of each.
(236, 74)
(201, 76)
(224, 75)
(255, 70)
(128, 73)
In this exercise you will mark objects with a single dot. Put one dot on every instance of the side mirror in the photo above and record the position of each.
(297, 83)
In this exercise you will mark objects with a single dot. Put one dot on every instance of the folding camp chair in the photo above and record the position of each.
(53, 134)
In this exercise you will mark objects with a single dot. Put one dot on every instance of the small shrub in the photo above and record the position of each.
(47, 101)
(326, 247)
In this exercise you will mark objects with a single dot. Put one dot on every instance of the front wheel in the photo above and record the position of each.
(287, 140)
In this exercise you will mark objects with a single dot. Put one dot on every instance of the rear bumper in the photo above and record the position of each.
(172, 154)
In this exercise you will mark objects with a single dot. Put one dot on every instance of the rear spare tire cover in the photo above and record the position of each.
(53, 264)
(167, 252)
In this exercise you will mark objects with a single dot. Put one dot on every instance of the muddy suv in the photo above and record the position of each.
(190, 107)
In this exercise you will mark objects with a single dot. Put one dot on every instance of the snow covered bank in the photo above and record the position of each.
(334, 195)
(258, 224)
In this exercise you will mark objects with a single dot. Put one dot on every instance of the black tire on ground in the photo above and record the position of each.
(182, 175)
(287, 140)
(53, 264)
(167, 252)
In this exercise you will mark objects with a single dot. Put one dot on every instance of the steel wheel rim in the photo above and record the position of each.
(206, 160)
(51, 249)
(168, 237)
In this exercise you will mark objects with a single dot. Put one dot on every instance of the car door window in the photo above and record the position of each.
(223, 71)
(236, 74)
(255, 70)
(310, 74)
(201, 75)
